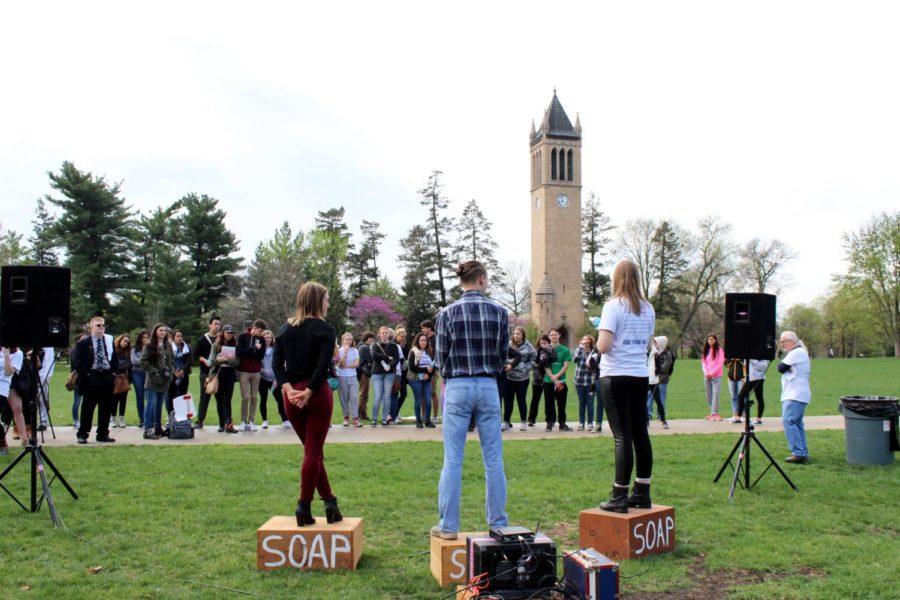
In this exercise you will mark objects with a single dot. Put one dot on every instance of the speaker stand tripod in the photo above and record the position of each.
(743, 444)
(39, 459)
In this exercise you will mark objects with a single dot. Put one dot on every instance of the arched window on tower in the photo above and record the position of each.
(562, 164)
(569, 167)
(553, 164)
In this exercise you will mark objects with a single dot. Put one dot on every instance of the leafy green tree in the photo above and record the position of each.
(43, 241)
(96, 230)
(438, 224)
(807, 321)
(12, 251)
(201, 233)
(852, 327)
(419, 291)
(595, 244)
(873, 252)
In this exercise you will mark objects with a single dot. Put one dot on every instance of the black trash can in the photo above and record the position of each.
(870, 426)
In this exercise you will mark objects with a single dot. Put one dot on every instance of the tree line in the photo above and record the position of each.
(180, 263)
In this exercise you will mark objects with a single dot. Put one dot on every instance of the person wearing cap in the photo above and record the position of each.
(795, 395)
(224, 363)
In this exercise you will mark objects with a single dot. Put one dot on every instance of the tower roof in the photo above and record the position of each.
(556, 123)
(545, 289)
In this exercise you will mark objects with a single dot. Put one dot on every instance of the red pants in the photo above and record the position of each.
(311, 424)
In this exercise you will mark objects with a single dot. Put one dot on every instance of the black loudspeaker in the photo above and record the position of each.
(34, 306)
(750, 326)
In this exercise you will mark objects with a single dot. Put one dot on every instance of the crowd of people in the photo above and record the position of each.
(386, 364)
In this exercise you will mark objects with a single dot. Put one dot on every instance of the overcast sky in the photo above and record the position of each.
(783, 117)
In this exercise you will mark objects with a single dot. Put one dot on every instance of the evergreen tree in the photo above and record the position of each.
(171, 298)
(153, 233)
(473, 238)
(96, 230)
(438, 223)
(595, 241)
(362, 266)
(43, 242)
(201, 233)
(328, 247)
(668, 263)
(274, 276)
(419, 292)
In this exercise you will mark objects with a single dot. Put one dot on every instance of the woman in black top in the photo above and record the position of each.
(301, 360)
(121, 366)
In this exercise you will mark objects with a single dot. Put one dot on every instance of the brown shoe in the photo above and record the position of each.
(797, 460)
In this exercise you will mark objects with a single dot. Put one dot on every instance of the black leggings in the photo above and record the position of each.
(264, 388)
(276, 396)
(555, 403)
(223, 397)
(757, 388)
(537, 390)
(518, 389)
(625, 399)
(118, 407)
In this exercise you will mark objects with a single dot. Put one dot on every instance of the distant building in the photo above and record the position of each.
(556, 297)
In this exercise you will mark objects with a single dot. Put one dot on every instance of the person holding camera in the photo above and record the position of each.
(158, 363)
(93, 361)
(795, 395)
(385, 355)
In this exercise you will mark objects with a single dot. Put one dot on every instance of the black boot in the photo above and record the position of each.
(640, 496)
(332, 512)
(618, 500)
(304, 514)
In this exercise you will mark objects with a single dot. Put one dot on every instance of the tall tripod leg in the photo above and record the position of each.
(775, 464)
(13, 464)
(54, 516)
(56, 472)
(744, 444)
(728, 460)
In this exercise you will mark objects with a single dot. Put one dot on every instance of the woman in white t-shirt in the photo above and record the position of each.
(348, 386)
(10, 364)
(623, 338)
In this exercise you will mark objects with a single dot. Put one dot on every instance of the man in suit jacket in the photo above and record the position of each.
(92, 359)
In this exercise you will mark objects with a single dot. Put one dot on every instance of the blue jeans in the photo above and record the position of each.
(599, 412)
(661, 390)
(382, 382)
(422, 394)
(735, 388)
(585, 403)
(153, 408)
(465, 397)
(794, 431)
(76, 404)
(138, 378)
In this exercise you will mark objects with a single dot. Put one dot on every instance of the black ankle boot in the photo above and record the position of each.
(332, 512)
(618, 500)
(304, 514)
(640, 496)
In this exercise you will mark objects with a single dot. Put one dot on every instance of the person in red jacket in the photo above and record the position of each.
(251, 350)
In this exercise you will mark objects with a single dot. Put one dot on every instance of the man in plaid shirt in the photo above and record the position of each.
(470, 347)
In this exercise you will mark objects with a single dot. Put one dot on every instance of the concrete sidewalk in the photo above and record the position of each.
(65, 436)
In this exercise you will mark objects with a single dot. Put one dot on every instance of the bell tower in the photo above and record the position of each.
(556, 296)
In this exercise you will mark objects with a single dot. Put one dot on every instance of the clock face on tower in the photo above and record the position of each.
(562, 200)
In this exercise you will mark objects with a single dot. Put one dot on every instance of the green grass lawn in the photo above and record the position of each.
(831, 379)
(154, 517)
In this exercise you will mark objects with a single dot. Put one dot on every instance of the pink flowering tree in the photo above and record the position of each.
(371, 312)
